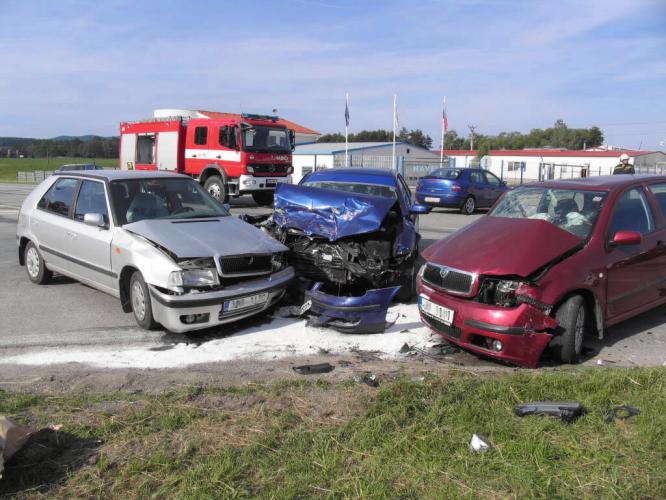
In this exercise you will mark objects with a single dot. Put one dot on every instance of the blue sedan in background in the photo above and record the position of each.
(464, 188)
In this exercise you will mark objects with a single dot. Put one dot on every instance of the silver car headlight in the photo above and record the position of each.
(192, 278)
(279, 261)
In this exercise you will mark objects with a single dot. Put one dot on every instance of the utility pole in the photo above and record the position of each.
(471, 128)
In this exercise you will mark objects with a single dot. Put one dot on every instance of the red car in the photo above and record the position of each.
(549, 263)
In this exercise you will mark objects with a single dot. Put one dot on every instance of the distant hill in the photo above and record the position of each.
(84, 138)
(82, 146)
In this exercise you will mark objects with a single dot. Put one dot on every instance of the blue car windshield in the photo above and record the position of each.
(355, 187)
(446, 173)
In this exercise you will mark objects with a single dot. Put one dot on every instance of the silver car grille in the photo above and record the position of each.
(246, 265)
(449, 279)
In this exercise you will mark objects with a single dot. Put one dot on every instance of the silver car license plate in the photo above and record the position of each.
(245, 302)
(444, 314)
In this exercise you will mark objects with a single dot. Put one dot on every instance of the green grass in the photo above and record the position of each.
(9, 166)
(405, 439)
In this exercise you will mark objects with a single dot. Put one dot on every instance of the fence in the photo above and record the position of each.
(32, 177)
(412, 169)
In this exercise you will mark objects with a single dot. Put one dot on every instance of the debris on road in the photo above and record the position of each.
(566, 411)
(313, 369)
(368, 379)
(478, 444)
(621, 412)
(12, 438)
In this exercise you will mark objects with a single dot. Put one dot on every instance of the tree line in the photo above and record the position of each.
(89, 147)
(415, 137)
(557, 136)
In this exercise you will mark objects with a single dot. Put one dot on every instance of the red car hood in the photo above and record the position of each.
(502, 246)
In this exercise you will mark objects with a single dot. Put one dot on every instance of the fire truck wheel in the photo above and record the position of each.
(263, 198)
(217, 189)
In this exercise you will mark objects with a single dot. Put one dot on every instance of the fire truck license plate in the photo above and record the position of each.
(271, 182)
(444, 314)
(245, 302)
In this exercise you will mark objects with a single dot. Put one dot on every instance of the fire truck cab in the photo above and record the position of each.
(229, 154)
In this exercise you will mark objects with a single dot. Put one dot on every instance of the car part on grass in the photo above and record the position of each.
(566, 411)
(621, 412)
(337, 308)
(12, 438)
(314, 369)
(479, 444)
(368, 379)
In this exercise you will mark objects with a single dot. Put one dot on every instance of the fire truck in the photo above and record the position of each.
(229, 154)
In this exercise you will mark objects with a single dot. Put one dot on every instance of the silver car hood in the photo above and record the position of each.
(189, 238)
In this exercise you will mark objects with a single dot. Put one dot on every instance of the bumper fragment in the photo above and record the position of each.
(362, 314)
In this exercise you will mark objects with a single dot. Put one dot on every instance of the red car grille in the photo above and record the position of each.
(448, 279)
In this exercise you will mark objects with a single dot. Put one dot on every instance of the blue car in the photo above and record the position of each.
(353, 236)
(464, 188)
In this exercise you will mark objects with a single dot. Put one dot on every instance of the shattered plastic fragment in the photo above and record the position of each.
(621, 412)
(478, 444)
(567, 411)
(312, 369)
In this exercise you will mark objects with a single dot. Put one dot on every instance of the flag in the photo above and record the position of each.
(347, 111)
(445, 120)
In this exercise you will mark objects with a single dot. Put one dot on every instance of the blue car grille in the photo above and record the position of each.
(448, 279)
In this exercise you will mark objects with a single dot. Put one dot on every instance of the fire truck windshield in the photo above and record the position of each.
(265, 139)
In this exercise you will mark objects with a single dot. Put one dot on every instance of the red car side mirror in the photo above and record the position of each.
(626, 238)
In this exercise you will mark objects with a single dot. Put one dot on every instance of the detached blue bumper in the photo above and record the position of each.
(364, 314)
(440, 199)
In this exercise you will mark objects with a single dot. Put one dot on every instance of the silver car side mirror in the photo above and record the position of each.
(96, 220)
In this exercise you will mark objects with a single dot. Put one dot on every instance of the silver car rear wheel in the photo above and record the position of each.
(32, 262)
(35, 266)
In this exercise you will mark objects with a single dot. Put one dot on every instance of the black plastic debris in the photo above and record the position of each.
(313, 369)
(369, 379)
(621, 412)
(566, 411)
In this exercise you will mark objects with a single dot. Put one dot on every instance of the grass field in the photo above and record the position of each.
(9, 166)
(407, 439)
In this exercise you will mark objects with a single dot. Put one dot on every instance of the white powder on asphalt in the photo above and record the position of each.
(281, 337)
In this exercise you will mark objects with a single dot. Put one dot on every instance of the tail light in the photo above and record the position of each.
(456, 188)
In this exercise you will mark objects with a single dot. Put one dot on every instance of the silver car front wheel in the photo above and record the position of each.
(140, 299)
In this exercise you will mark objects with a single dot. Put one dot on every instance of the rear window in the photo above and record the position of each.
(447, 173)
(58, 199)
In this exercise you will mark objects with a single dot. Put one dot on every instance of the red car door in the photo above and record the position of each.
(633, 271)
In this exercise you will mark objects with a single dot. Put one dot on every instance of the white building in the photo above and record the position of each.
(541, 164)
(315, 156)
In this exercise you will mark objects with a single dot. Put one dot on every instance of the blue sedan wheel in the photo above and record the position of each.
(468, 206)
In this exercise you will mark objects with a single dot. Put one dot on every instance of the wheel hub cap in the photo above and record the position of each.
(32, 262)
(138, 301)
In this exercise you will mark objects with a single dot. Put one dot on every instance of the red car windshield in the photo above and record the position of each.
(574, 210)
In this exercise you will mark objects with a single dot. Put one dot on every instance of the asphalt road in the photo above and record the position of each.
(66, 313)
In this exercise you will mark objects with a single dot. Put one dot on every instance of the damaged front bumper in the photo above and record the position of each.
(194, 311)
(517, 335)
(350, 314)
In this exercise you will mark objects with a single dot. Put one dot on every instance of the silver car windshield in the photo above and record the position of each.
(162, 198)
(574, 210)
(355, 187)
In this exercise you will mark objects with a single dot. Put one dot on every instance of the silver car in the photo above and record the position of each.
(157, 241)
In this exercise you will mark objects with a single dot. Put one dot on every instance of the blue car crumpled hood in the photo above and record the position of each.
(328, 213)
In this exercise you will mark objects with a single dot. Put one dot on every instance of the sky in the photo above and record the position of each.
(80, 67)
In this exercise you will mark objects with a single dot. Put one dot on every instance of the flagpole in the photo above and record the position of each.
(346, 130)
(441, 151)
(395, 99)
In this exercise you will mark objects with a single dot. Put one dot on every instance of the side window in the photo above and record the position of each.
(200, 136)
(227, 137)
(58, 199)
(659, 191)
(476, 178)
(491, 179)
(632, 213)
(91, 200)
(407, 191)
